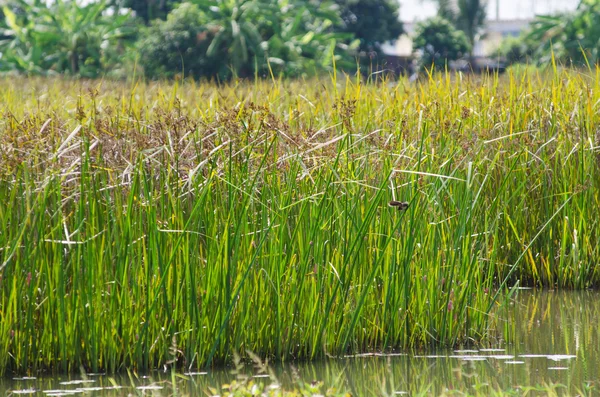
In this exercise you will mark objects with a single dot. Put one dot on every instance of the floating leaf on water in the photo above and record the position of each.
(553, 357)
(85, 389)
(560, 357)
(473, 358)
(150, 387)
(77, 382)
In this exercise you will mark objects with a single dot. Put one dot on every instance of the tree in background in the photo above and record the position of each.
(148, 10)
(373, 22)
(517, 49)
(306, 37)
(572, 37)
(63, 37)
(3, 35)
(201, 38)
(437, 42)
(225, 38)
(237, 41)
(466, 15)
(178, 44)
(471, 19)
(209, 38)
(447, 9)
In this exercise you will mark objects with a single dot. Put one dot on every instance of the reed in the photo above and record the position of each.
(151, 224)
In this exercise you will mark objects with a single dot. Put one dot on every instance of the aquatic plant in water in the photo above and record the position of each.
(146, 224)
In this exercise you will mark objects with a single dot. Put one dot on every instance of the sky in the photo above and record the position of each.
(415, 10)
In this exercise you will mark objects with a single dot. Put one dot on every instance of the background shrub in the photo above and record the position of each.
(437, 42)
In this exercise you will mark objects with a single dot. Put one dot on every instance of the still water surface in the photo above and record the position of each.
(543, 338)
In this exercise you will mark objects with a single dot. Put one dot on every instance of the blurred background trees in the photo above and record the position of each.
(63, 37)
(570, 38)
(222, 39)
(438, 42)
(466, 15)
(452, 34)
(166, 48)
(573, 38)
(306, 37)
(201, 38)
(147, 10)
(372, 22)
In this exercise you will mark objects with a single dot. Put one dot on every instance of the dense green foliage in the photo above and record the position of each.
(245, 38)
(516, 50)
(204, 38)
(466, 15)
(171, 47)
(571, 37)
(373, 22)
(148, 10)
(150, 224)
(234, 38)
(567, 38)
(437, 42)
(61, 36)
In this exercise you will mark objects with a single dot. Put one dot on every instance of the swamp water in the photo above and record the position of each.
(546, 341)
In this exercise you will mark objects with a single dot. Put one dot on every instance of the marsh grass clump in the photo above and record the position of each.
(254, 216)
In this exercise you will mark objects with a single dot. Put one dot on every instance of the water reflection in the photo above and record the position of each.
(545, 338)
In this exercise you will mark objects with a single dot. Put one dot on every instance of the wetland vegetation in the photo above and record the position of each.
(172, 224)
(548, 348)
